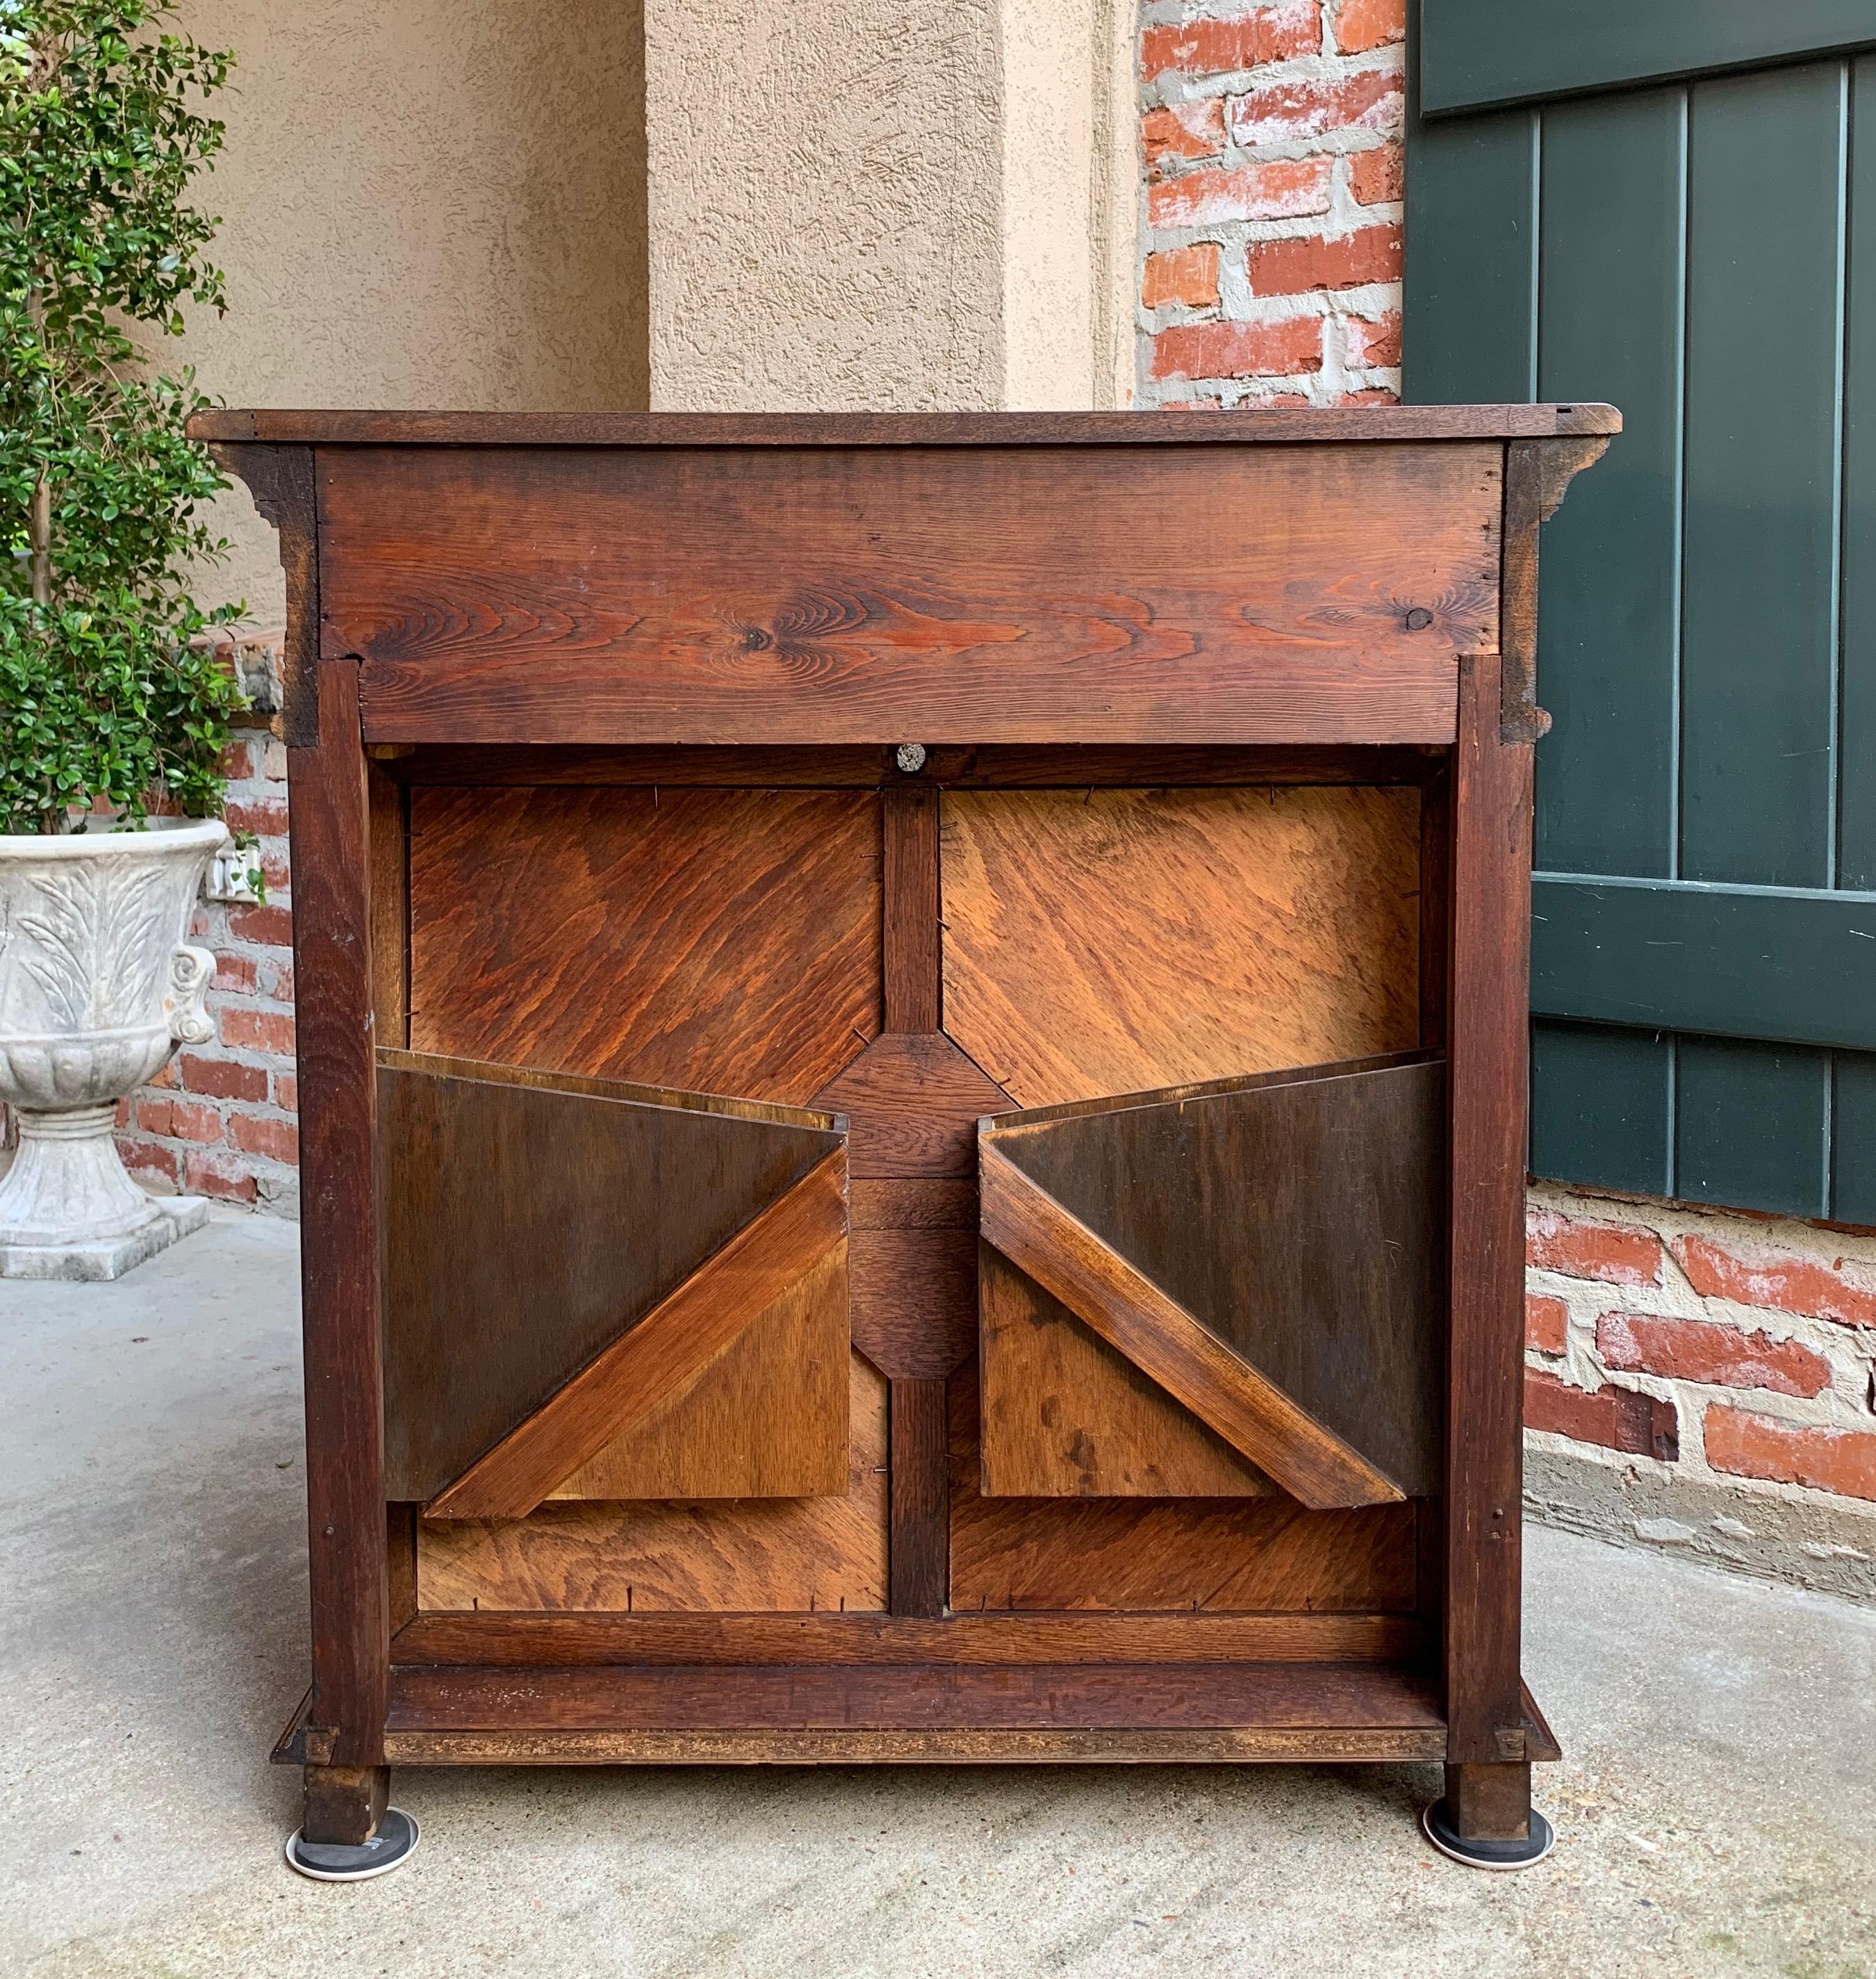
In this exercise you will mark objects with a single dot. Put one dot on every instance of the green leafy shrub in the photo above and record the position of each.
(108, 692)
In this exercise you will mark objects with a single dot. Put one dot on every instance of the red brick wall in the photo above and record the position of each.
(1270, 262)
(1732, 1347)
(219, 1120)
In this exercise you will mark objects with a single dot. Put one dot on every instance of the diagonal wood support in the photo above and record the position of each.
(673, 1341)
(1164, 1340)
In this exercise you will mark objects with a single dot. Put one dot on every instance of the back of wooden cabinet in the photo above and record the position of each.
(694, 1300)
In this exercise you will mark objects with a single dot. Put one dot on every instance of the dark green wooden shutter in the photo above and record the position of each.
(1673, 207)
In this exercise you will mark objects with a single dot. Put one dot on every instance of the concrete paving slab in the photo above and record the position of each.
(1715, 1815)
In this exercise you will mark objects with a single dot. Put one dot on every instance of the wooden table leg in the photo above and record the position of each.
(344, 1804)
(1490, 1802)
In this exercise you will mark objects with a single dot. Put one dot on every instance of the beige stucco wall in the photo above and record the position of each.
(905, 203)
(427, 203)
(898, 204)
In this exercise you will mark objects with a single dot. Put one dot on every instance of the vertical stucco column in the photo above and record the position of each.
(898, 204)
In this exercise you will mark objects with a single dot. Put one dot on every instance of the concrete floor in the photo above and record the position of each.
(1714, 1816)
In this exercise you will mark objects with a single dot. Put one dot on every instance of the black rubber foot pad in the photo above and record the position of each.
(1487, 1854)
(353, 1862)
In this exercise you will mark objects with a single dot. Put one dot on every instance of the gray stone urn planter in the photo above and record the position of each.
(98, 986)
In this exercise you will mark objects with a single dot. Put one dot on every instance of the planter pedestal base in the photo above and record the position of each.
(107, 1257)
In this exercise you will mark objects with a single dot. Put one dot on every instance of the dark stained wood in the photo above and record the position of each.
(1130, 1697)
(487, 1175)
(289, 1748)
(1110, 941)
(1248, 426)
(739, 1555)
(339, 1228)
(1166, 1342)
(281, 481)
(1436, 901)
(1065, 1416)
(914, 1298)
(1488, 1803)
(400, 1528)
(509, 1640)
(343, 1803)
(1128, 1554)
(390, 909)
(723, 941)
(671, 1342)
(874, 596)
(912, 967)
(920, 1458)
(1010, 767)
(1487, 1074)
(913, 1103)
(1519, 717)
(1540, 1742)
(1298, 1220)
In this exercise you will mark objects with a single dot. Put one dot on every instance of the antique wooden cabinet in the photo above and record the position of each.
(911, 1045)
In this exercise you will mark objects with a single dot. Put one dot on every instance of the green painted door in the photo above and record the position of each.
(1673, 207)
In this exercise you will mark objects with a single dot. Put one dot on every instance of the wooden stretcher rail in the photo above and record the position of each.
(1123, 1697)
(510, 1640)
(1320, 1745)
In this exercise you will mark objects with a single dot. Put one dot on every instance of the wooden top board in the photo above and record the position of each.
(329, 428)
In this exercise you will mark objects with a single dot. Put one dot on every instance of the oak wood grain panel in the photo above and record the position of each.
(1298, 1218)
(1326, 1745)
(1174, 593)
(913, 1103)
(507, 1640)
(914, 1299)
(531, 1218)
(1065, 1416)
(1118, 1554)
(721, 940)
(634, 1376)
(733, 1555)
(1166, 1342)
(764, 1416)
(1242, 425)
(1111, 940)
(1127, 1697)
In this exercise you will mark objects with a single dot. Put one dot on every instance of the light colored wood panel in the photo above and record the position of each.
(668, 1346)
(748, 1555)
(1121, 1554)
(718, 940)
(1111, 941)
(1065, 1416)
(765, 1417)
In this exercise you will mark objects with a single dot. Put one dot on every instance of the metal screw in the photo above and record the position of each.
(910, 757)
